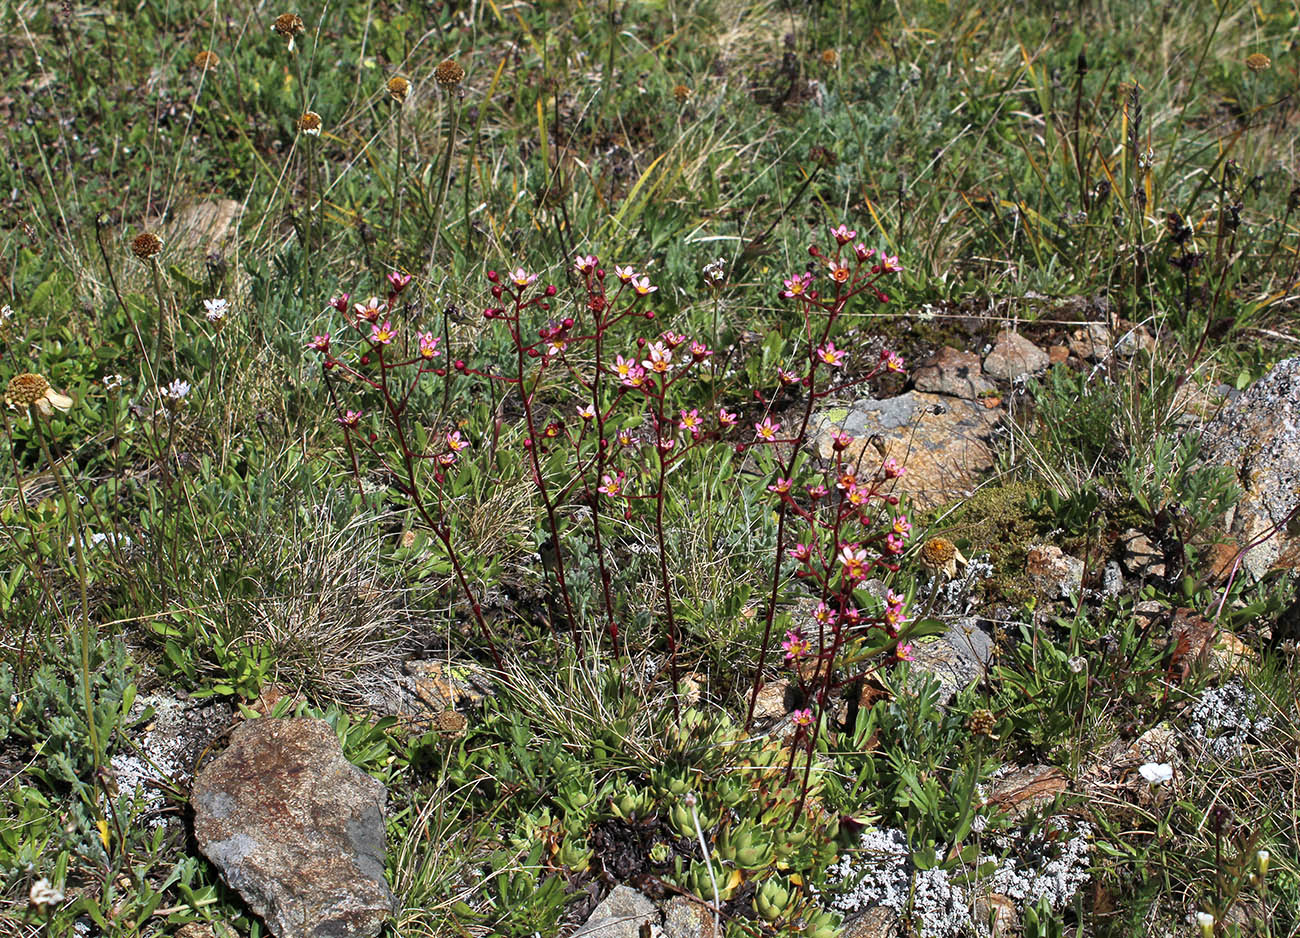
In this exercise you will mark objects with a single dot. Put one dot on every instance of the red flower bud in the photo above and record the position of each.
(493, 276)
(650, 314)
(550, 289)
(373, 436)
(568, 322)
(365, 359)
(496, 292)
(440, 372)
(460, 364)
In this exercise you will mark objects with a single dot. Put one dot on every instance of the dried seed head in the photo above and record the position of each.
(289, 25)
(980, 723)
(830, 57)
(32, 390)
(146, 245)
(681, 93)
(398, 88)
(451, 723)
(448, 74)
(309, 123)
(939, 553)
(1258, 62)
(206, 60)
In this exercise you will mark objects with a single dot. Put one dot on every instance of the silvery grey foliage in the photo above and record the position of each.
(958, 596)
(1225, 718)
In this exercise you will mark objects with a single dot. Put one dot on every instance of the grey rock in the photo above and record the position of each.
(1091, 343)
(686, 919)
(953, 373)
(944, 443)
(620, 915)
(1053, 573)
(957, 658)
(1141, 558)
(1257, 435)
(296, 830)
(1013, 356)
(1112, 579)
(878, 922)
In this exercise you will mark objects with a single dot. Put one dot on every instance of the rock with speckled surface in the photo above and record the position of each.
(296, 830)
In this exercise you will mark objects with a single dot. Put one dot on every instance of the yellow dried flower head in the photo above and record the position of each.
(206, 60)
(939, 553)
(146, 245)
(32, 390)
(448, 74)
(681, 93)
(451, 723)
(398, 88)
(309, 123)
(1258, 62)
(830, 57)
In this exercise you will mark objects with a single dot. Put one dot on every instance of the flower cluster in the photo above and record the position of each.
(1226, 718)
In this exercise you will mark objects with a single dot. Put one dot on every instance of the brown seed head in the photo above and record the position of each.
(289, 25)
(146, 245)
(830, 57)
(26, 389)
(981, 723)
(309, 123)
(681, 93)
(206, 60)
(398, 88)
(448, 74)
(1258, 62)
(451, 723)
(938, 552)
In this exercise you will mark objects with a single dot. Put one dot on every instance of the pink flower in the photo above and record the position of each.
(667, 443)
(767, 430)
(726, 418)
(627, 438)
(320, 343)
(892, 469)
(700, 351)
(625, 274)
(660, 360)
(853, 560)
(780, 487)
(635, 377)
(862, 252)
(340, 302)
(429, 345)
(801, 552)
(370, 309)
(447, 459)
(398, 280)
(455, 443)
(894, 544)
(839, 272)
(796, 285)
(831, 355)
(623, 366)
(905, 652)
(902, 527)
(350, 419)
(843, 235)
(890, 265)
(642, 286)
(893, 361)
(382, 335)
(585, 263)
(522, 278)
(795, 645)
(841, 440)
(824, 614)
(857, 495)
(851, 616)
(846, 482)
(673, 339)
(587, 412)
(802, 718)
(818, 491)
(611, 486)
(786, 377)
(691, 421)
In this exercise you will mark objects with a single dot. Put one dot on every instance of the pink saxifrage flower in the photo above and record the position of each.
(780, 486)
(585, 263)
(905, 652)
(625, 274)
(660, 360)
(892, 469)
(611, 485)
(726, 418)
(398, 280)
(796, 285)
(802, 718)
(587, 412)
(894, 543)
(831, 355)
(350, 419)
(902, 527)
(642, 286)
(824, 614)
(853, 560)
(522, 278)
(842, 234)
(839, 271)
(455, 443)
(429, 345)
(800, 552)
(767, 430)
(795, 645)
(370, 310)
(382, 335)
(320, 343)
(893, 361)
(691, 421)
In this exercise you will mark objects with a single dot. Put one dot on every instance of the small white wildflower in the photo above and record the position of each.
(1156, 773)
(112, 382)
(44, 894)
(1077, 664)
(216, 310)
(1206, 921)
(178, 390)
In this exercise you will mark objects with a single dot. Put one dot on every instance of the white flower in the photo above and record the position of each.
(1206, 921)
(113, 382)
(178, 390)
(43, 894)
(1157, 773)
(217, 310)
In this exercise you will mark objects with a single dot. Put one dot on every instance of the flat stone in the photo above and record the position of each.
(686, 919)
(620, 915)
(1053, 573)
(878, 922)
(425, 690)
(954, 373)
(1257, 435)
(1091, 343)
(296, 830)
(1013, 356)
(1024, 789)
(943, 443)
(1058, 354)
(956, 659)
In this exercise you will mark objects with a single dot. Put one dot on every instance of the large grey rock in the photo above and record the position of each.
(296, 830)
(620, 915)
(1257, 435)
(1013, 356)
(956, 659)
(954, 373)
(943, 443)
